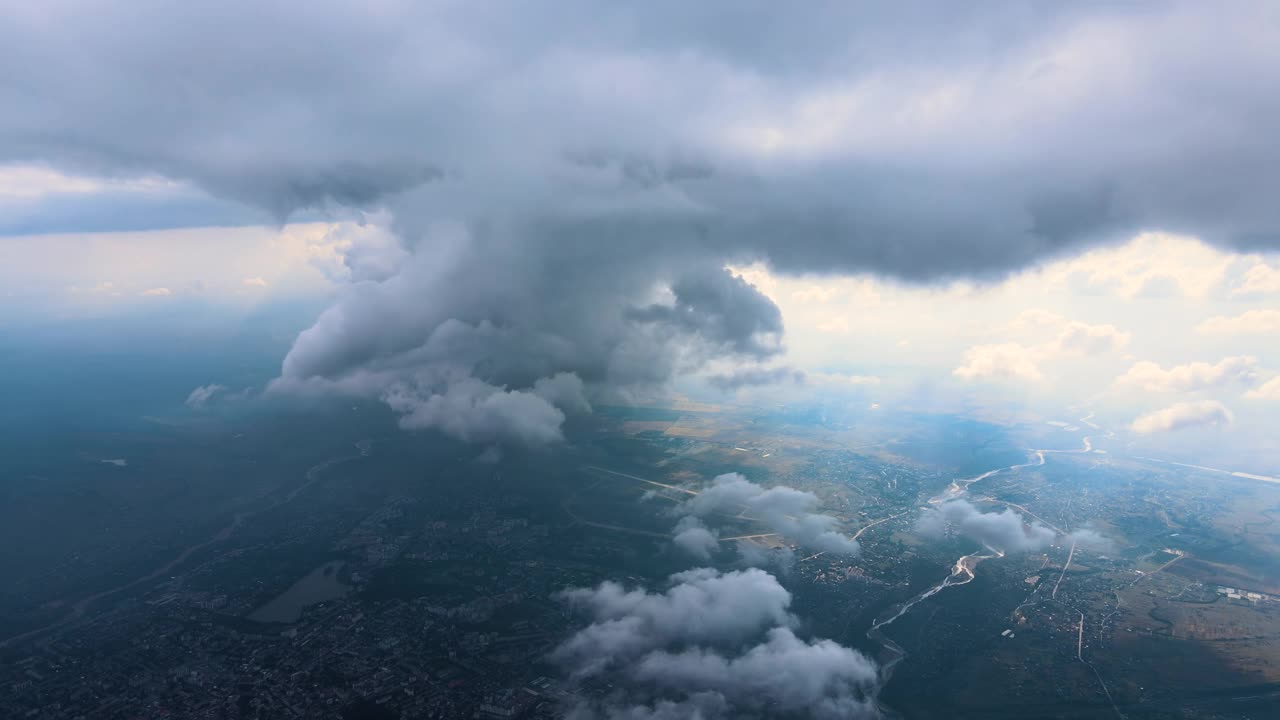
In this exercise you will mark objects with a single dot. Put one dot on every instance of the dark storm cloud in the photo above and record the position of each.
(117, 211)
(567, 180)
(917, 138)
(712, 645)
(722, 309)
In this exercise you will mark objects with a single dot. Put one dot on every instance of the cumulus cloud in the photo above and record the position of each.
(1005, 360)
(754, 554)
(1183, 415)
(785, 674)
(1270, 390)
(157, 292)
(257, 282)
(1085, 339)
(1149, 376)
(695, 539)
(1250, 322)
(1005, 530)
(785, 510)
(472, 410)
(1260, 279)
(1091, 540)
(712, 645)
(495, 309)
(1023, 362)
(201, 396)
(698, 606)
(1150, 265)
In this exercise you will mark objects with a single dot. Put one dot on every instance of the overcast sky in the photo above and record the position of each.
(514, 210)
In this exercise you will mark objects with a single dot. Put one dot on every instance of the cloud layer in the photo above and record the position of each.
(564, 195)
(1239, 370)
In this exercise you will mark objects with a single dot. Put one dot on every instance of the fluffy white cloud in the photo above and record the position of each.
(1023, 362)
(1270, 390)
(787, 511)
(1152, 265)
(256, 281)
(784, 674)
(1005, 530)
(1085, 339)
(695, 538)
(1149, 376)
(472, 410)
(699, 606)
(1261, 279)
(711, 646)
(1250, 322)
(1206, 413)
(157, 292)
(1001, 361)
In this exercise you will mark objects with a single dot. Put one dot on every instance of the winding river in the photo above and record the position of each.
(962, 571)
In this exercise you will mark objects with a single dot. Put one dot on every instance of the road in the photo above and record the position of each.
(1180, 553)
(655, 483)
(1080, 639)
(604, 526)
(1062, 574)
(868, 526)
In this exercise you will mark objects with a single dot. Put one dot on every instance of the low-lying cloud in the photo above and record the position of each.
(696, 539)
(1004, 531)
(1016, 361)
(784, 510)
(1238, 370)
(1183, 415)
(711, 645)
(1270, 390)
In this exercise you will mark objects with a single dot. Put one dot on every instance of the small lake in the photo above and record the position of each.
(320, 585)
